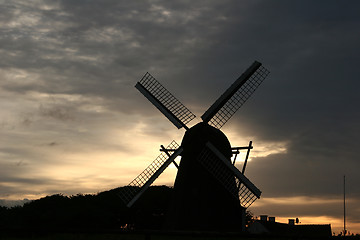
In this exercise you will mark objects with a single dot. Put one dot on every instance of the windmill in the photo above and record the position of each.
(209, 191)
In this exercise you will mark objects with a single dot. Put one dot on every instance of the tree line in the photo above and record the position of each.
(100, 212)
(104, 211)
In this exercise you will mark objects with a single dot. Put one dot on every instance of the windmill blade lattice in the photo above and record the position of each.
(235, 96)
(171, 107)
(137, 186)
(229, 176)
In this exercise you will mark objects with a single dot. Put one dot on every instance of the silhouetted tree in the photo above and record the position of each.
(249, 217)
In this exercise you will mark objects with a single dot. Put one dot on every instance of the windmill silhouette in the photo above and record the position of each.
(209, 191)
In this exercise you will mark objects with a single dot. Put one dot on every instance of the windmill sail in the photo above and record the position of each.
(232, 179)
(158, 95)
(138, 186)
(235, 96)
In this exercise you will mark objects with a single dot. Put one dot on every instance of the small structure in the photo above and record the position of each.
(272, 228)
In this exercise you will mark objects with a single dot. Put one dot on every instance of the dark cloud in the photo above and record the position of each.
(53, 144)
(57, 112)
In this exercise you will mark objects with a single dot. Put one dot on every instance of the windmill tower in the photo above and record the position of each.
(210, 193)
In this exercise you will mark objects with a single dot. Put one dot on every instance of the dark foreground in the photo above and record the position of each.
(104, 216)
(151, 235)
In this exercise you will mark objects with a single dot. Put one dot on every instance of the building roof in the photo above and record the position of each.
(282, 229)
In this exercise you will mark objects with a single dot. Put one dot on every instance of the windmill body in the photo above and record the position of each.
(200, 201)
(210, 193)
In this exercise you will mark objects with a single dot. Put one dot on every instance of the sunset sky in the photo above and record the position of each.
(72, 122)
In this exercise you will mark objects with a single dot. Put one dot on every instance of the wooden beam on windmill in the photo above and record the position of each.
(167, 151)
(163, 100)
(142, 182)
(232, 179)
(235, 151)
(235, 96)
(246, 157)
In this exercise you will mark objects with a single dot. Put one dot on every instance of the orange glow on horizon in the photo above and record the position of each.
(336, 223)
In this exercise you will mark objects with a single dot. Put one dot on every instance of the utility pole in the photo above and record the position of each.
(344, 210)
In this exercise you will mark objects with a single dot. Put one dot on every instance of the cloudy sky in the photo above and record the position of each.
(72, 122)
